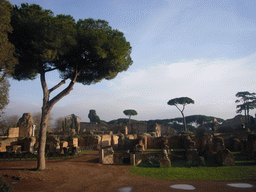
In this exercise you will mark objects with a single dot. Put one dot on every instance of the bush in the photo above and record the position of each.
(4, 186)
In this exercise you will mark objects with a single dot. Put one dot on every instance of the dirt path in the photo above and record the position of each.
(84, 173)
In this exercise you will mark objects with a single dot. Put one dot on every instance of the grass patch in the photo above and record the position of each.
(47, 158)
(198, 173)
(244, 169)
(84, 152)
(153, 150)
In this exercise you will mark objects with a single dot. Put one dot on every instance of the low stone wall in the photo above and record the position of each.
(106, 155)
(154, 143)
(7, 142)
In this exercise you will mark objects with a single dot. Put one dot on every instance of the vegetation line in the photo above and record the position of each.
(198, 173)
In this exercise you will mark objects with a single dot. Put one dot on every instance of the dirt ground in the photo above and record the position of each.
(84, 173)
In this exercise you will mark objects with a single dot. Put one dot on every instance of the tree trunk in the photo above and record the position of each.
(46, 109)
(184, 122)
(245, 115)
(42, 139)
(248, 116)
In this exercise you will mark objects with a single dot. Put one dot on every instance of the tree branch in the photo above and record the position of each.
(44, 87)
(183, 107)
(51, 69)
(57, 86)
(65, 92)
(2, 77)
(178, 108)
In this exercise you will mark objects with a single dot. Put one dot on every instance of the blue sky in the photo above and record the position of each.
(202, 49)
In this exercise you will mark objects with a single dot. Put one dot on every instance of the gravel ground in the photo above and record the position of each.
(84, 173)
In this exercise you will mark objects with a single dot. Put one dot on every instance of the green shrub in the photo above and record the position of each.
(4, 186)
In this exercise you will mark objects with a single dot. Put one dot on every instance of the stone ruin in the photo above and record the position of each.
(125, 145)
(191, 151)
(196, 148)
(251, 146)
(164, 159)
(225, 158)
(26, 125)
(154, 129)
(13, 132)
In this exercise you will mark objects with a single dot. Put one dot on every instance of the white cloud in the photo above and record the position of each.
(212, 84)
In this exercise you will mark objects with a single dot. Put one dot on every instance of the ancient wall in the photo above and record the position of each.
(106, 155)
(77, 119)
(105, 140)
(7, 142)
(114, 139)
(119, 129)
(73, 142)
(134, 136)
(139, 128)
(13, 132)
(154, 127)
(174, 142)
(28, 144)
(154, 142)
(84, 126)
(167, 130)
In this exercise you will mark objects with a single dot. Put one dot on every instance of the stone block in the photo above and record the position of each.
(29, 144)
(63, 144)
(13, 132)
(114, 139)
(14, 148)
(7, 142)
(201, 161)
(105, 140)
(165, 162)
(139, 147)
(73, 142)
(218, 144)
(3, 146)
(109, 159)
(225, 158)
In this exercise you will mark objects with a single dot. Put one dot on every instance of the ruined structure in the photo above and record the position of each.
(71, 124)
(25, 125)
(13, 132)
(225, 158)
(127, 144)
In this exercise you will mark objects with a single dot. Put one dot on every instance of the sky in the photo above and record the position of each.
(202, 49)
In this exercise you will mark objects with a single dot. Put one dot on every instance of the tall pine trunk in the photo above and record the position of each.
(184, 122)
(46, 109)
(42, 138)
